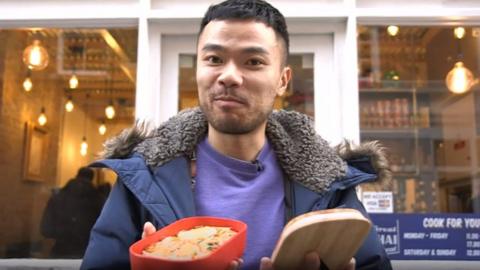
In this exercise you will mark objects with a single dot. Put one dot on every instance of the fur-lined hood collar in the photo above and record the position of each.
(303, 155)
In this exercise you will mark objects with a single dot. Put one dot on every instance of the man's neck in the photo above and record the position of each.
(240, 146)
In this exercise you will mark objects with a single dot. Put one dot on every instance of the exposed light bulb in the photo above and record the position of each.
(42, 118)
(27, 84)
(84, 147)
(69, 105)
(393, 30)
(110, 111)
(102, 129)
(459, 32)
(73, 82)
(460, 79)
(35, 56)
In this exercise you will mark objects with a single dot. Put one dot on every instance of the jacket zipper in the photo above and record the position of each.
(289, 199)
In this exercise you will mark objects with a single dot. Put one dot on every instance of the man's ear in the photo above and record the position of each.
(284, 80)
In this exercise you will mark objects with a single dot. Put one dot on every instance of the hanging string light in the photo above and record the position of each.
(459, 79)
(73, 82)
(27, 83)
(84, 147)
(69, 104)
(35, 56)
(42, 118)
(392, 30)
(84, 144)
(102, 129)
(110, 110)
(459, 32)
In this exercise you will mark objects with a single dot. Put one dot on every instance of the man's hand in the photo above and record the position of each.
(350, 265)
(234, 265)
(149, 229)
(311, 262)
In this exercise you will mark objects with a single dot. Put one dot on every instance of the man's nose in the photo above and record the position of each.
(231, 75)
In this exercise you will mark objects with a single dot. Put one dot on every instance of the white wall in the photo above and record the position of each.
(70, 159)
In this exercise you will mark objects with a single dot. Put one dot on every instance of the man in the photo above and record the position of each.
(70, 215)
(232, 157)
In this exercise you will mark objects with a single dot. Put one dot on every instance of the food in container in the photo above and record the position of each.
(191, 244)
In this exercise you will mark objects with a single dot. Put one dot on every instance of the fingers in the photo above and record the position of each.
(234, 265)
(350, 265)
(148, 229)
(312, 261)
(266, 264)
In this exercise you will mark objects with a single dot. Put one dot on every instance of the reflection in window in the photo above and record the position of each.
(187, 82)
(55, 86)
(298, 97)
(407, 102)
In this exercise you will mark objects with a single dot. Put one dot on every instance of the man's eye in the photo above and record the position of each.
(254, 62)
(214, 60)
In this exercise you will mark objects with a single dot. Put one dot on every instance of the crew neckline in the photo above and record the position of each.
(234, 163)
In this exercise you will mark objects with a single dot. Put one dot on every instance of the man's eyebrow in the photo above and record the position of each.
(255, 50)
(212, 47)
(249, 50)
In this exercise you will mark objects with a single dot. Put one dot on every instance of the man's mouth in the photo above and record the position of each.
(229, 100)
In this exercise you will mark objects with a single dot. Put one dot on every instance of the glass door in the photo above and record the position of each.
(311, 59)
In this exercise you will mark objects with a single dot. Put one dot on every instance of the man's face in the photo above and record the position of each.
(239, 74)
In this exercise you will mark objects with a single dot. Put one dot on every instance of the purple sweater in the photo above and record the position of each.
(252, 192)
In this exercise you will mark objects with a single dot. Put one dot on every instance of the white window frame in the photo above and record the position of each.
(320, 45)
(156, 17)
(340, 88)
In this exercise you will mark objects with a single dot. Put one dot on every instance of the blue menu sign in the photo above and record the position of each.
(429, 236)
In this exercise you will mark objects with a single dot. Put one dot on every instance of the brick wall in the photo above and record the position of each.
(23, 201)
(3, 36)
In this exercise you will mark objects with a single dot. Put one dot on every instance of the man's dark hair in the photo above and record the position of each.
(85, 173)
(257, 10)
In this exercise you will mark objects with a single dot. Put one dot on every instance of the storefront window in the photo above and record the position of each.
(55, 86)
(298, 97)
(417, 99)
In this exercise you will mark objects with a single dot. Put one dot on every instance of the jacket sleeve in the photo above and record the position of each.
(371, 254)
(118, 226)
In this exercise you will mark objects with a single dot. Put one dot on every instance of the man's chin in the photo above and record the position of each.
(230, 126)
(233, 123)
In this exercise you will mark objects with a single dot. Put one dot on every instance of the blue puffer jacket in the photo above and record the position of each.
(154, 183)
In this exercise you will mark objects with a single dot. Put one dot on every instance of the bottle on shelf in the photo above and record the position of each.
(380, 114)
(406, 113)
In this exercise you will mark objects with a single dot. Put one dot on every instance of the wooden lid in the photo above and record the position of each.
(335, 234)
